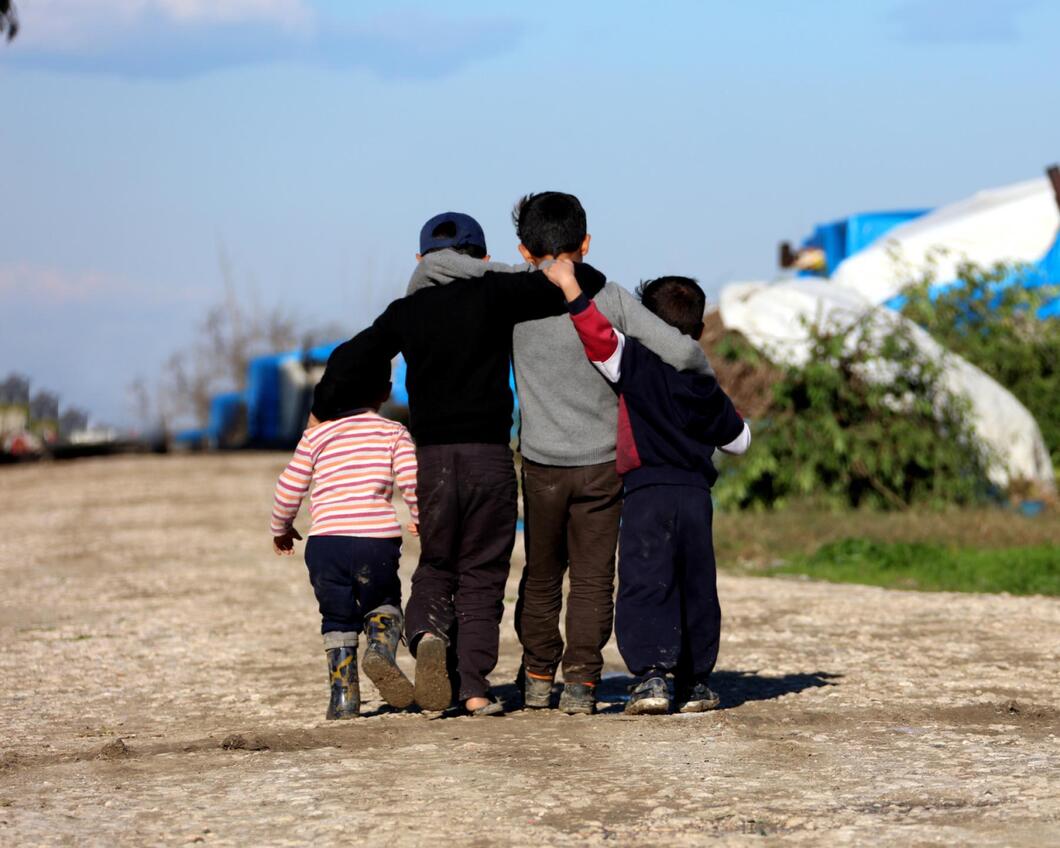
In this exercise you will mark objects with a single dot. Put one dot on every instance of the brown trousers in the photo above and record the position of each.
(571, 521)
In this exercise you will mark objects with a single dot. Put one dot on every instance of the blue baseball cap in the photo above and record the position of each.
(464, 232)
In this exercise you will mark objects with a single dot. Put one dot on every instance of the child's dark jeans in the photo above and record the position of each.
(667, 616)
(351, 576)
(467, 495)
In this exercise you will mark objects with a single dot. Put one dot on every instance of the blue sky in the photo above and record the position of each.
(308, 141)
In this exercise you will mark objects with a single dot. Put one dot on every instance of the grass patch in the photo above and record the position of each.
(749, 542)
(1025, 570)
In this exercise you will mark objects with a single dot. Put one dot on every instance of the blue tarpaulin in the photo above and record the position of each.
(847, 236)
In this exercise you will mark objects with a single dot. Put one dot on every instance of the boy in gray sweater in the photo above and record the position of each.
(572, 494)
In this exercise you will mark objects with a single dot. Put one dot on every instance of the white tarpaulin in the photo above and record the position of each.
(774, 319)
(1014, 224)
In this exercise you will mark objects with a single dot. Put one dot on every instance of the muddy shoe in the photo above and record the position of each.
(649, 697)
(578, 699)
(698, 699)
(345, 691)
(433, 690)
(537, 692)
(383, 630)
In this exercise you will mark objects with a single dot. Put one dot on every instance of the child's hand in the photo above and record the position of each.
(284, 545)
(413, 528)
(561, 274)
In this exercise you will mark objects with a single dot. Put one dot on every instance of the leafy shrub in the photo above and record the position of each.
(995, 327)
(837, 437)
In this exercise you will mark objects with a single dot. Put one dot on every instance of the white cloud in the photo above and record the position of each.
(50, 286)
(38, 284)
(177, 39)
(278, 11)
(69, 24)
(960, 21)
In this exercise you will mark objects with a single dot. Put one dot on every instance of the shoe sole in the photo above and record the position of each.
(496, 708)
(577, 709)
(395, 688)
(648, 706)
(433, 690)
(699, 706)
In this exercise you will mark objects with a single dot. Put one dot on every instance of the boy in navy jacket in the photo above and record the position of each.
(668, 619)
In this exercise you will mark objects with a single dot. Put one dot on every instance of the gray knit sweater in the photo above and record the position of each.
(569, 412)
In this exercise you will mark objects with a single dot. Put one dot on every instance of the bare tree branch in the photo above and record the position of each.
(8, 19)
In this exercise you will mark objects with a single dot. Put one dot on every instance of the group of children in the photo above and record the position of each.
(620, 416)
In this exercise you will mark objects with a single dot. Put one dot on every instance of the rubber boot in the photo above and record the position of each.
(345, 690)
(382, 628)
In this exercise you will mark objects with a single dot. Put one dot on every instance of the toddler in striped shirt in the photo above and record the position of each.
(349, 465)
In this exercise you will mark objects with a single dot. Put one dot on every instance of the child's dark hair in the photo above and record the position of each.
(447, 230)
(367, 387)
(549, 223)
(679, 301)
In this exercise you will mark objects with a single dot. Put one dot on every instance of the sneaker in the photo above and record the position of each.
(649, 697)
(433, 691)
(578, 699)
(537, 692)
(698, 699)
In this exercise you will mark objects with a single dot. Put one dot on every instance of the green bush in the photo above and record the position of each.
(996, 328)
(837, 438)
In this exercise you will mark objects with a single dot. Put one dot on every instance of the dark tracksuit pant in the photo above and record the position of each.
(351, 576)
(468, 507)
(668, 617)
(571, 520)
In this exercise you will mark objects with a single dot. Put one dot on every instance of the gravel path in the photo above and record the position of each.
(141, 603)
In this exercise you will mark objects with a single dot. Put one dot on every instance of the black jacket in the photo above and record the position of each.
(457, 343)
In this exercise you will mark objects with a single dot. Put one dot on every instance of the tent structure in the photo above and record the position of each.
(832, 243)
(877, 254)
(851, 267)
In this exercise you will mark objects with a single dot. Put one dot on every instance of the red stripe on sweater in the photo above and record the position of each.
(627, 457)
(597, 335)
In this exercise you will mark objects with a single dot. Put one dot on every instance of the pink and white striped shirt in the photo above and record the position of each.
(352, 464)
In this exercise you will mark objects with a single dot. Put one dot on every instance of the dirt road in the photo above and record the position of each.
(141, 602)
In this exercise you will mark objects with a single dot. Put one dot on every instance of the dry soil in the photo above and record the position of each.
(163, 683)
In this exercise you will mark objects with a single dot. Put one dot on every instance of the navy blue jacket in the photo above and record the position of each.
(669, 422)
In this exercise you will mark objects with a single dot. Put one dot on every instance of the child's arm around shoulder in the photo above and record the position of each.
(291, 488)
(602, 342)
(403, 463)
(527, 295)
